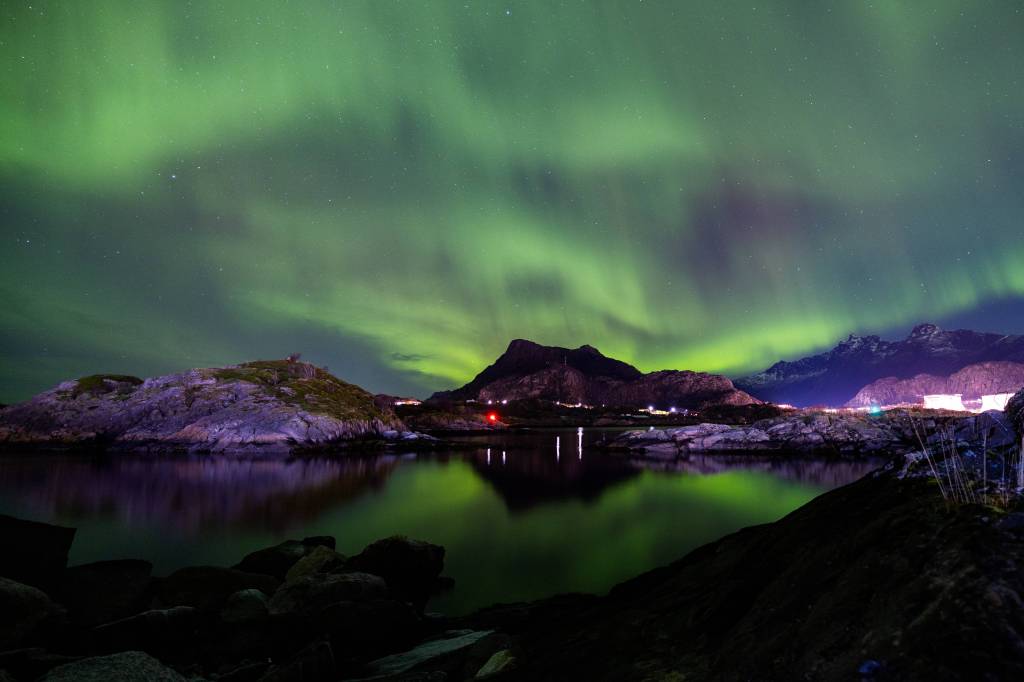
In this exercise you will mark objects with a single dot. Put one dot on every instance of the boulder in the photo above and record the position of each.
(311, 593)
(410, 567)
(105, 591)
(162, 632)
(367, 629)
(277, 560)
(245, 606)
(499, 662)
(208, 587)
(434, 654)
(33, 553)
(320, 560)
(1014, 411)
(26, 614)
(992, 428)
(31, 663)
(129, 666)
(315, 663)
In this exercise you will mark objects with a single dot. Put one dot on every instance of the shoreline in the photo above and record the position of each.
(316, 611)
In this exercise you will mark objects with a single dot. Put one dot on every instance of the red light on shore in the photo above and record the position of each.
(492, 417)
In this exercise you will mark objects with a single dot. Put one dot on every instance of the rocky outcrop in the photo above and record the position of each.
(279, 559)
(972, 382)
(256, 406)
(26, 613)
(33, 553)
(411, 568)
(529, 371)
(130, 666)
(878, 580)
(1015, 411)
(334, 618)
(795, 433)
(834, 377)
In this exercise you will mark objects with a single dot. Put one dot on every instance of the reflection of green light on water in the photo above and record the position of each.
(562, 546)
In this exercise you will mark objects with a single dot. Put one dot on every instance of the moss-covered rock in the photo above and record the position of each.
(264, 405)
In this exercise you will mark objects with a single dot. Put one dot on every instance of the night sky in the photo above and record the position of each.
(397, 189)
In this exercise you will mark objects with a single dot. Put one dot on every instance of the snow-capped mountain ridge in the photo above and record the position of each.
(835, 376)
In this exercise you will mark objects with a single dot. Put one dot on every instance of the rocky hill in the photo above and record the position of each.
(834, 377)
(583, 375)
(264, 405)
(973, 382)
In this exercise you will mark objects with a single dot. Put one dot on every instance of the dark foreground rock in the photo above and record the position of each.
(33, 553)
(130, 666)
(328, 619)
(105, 591)
(410, 567)
(879, 577)
(879, 580)
(279, 559)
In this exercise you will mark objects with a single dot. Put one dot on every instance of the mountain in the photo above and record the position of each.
(972, 382)
(834, 377)
(527, 370)
(264, 405)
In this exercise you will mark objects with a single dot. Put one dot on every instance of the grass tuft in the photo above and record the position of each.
(98, 384)
(313, 389)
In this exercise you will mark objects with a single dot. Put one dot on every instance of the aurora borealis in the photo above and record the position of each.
(397, 189)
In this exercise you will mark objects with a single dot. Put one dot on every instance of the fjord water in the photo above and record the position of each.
(522, 515)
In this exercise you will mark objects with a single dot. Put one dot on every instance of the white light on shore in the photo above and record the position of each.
(945, 401)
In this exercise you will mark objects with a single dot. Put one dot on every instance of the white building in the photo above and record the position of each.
(996, 401)
(954, 401)
(945, 401)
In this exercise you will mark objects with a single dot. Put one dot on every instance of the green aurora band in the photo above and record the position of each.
(397, 189)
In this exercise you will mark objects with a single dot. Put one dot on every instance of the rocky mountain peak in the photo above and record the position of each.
(531, 371)
(835, 376)
(923, 331)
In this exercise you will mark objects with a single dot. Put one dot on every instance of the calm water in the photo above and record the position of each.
(520, 516)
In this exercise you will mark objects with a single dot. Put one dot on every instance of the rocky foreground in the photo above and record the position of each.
(884, 579)
(879, 580)
(264, 406)
(295, 611)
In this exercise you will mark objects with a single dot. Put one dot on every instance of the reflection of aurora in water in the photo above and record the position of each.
(533, 521)
(188, 493)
